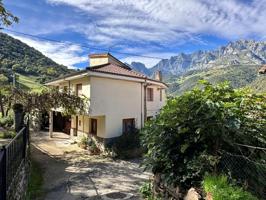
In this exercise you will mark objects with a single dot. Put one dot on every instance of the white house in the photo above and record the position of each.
(120, 98)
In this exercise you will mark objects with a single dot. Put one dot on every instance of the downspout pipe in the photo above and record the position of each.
(145, 100)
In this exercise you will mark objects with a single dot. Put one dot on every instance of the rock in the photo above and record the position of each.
(192, 195)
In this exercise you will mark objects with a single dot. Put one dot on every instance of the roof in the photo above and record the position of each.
(116, 70)
(262, 70)
(112, 69)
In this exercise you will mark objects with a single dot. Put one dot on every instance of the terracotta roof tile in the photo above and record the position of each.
(117, 70)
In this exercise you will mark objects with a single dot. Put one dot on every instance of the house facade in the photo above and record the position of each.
(120, 99)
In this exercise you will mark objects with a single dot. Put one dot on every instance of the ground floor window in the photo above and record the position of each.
(93, 125)
(128, 125)
(149, 118)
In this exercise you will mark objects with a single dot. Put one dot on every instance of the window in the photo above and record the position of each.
(65, 89)
(149, 94)
(79, 122)
(79, 90)
(161, 94)
(128, 125)
(149, 118)
(93, 126)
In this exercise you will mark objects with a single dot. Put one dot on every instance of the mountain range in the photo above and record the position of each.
(241, 52)
(238, 62)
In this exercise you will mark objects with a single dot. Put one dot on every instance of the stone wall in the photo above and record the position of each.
(19, 184)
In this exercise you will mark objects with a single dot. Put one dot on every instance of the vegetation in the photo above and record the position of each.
(16, 56)
(83, 143)
(35, 190)
(128, 145)
(189, 136)
(220, 189)
(7, 134)
(239, 77)
(146, 191)
(6, 17)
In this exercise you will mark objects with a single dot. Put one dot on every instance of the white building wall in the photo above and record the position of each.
(116, 100)
(153, 107)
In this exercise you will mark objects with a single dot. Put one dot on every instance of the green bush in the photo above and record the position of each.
(127, 145)
(191, 131)
(220, 189)
(83, 142)
(6, 121)
(146, 191)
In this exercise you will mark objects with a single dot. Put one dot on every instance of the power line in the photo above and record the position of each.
(102, 49)
(81, 45)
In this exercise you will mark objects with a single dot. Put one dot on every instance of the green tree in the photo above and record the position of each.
(187, 138)
(6, 17)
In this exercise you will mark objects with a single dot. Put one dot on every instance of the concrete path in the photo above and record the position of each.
(71, 174)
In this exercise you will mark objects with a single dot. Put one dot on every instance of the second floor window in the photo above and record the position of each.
(161, 94)
(149, 94)
(79, 90)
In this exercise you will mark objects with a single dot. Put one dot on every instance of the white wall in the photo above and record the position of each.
(153, 107)
(117, 100)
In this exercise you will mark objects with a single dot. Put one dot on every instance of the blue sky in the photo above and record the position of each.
(160, 28)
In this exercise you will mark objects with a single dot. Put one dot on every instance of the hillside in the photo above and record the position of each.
(239, 76)
(25, 60)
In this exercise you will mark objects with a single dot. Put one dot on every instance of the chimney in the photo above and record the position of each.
(158, 76)
(103, 58)
(262, 70)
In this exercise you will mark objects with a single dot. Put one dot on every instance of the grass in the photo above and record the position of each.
(29, 83)
(221, 189)
(35, 191)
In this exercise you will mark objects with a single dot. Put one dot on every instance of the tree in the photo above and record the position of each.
(187, 138)
(6, 18)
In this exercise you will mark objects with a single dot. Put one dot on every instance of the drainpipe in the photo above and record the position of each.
(141, 113)
(68, 87)
(145, 101)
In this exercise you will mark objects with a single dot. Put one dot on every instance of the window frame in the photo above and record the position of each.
(92, 123)
(79, 90)
(124, 128)
(150, 94)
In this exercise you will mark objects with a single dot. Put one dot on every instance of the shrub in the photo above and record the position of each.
(188, 136)
(83, 142)
(146, 191)
(7, 134)
(6, 121)
(220, 189)
(92, 147)
(127, 145)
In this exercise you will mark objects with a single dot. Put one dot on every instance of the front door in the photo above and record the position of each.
(93, 126)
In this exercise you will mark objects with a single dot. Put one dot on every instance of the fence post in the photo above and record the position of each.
(24, 134)
(3, 175)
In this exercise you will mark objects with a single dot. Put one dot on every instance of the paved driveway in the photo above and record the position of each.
(70, 173)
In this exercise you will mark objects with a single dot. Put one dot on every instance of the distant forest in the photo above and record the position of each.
(18, 57)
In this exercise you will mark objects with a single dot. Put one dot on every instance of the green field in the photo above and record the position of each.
(29, 83)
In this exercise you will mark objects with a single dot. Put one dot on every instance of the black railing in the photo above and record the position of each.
(12, 157)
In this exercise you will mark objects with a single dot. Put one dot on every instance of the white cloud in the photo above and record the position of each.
(169, 22)
(62, 53)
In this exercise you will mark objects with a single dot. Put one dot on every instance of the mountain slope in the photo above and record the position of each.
(241, 52)
(16, 55)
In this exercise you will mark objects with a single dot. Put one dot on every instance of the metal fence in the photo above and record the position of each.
(246, 171)
(12, 157)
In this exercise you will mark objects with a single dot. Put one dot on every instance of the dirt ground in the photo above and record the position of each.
(71, 174)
